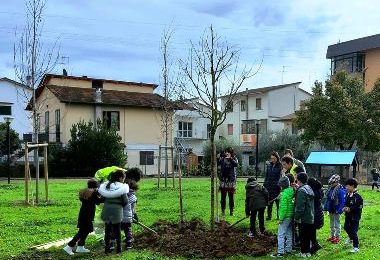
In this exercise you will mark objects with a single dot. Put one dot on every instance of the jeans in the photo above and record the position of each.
(79, 237)
(284, 237)
(260, 213)
(334, 224)
(230, 200)
(352, 227)
(127, 227)
(305, 237)
(270, 207)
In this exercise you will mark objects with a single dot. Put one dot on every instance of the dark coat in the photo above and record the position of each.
(89, 198)
(318, 210)
(272, 177)
(355, 203)
(227, 169)
(304, 205)
(256, 197)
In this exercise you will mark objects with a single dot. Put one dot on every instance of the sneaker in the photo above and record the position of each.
(330, 239)
(336, 240)
(354, 250)
(303, 255)
(112, 244)
(69, 250)
(250, 234)
(277, 255)
(82, 249)
(128, 245)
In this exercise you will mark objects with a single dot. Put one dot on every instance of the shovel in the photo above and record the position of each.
(237, 222)
(145, 227)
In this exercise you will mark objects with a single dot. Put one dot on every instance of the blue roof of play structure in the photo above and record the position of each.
(331, 157)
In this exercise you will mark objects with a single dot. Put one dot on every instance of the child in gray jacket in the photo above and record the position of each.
(129, 213)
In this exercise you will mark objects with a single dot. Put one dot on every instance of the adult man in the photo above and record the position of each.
(102, 174)
(289, 166)
(289, 152)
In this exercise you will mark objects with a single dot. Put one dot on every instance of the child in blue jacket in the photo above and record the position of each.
(335, 200)
(353, 210)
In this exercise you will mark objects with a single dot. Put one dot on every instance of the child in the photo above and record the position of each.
(296, 237)
(129, 213)
(285, 227)
(316, 186)
(334, 205)
(375, 178)
(304, 213)
(353, 210)
(255, 203)
(115, 193)
(89, 198)
(133, 175)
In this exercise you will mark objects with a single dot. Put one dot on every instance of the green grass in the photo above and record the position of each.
(23, 226)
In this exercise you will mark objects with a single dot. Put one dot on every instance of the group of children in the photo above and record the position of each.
(300, 212)
(116, 188)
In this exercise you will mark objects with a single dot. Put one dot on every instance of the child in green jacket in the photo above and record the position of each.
(286, 212)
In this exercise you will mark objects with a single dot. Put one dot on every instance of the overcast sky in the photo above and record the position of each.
(119, 39)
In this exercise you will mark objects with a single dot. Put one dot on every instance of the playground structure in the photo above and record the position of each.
(28, 178)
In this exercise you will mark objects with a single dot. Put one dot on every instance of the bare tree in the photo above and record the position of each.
(168, 82)
(212, 71)
(32, 61)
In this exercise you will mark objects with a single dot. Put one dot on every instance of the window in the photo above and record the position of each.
(352, 63)
(185, 129)
(229, 106)
(112, 119)
(258, 103)
(242, 105)
(47, 122)
(5, 110)
(230, 129)
(57, 126)
(97, 84)
(248, 127)
(146, 157)
(208, 131)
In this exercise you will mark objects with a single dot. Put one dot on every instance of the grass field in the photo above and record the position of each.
(24, 226)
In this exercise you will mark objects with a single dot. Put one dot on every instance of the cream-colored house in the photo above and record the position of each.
(131, 107)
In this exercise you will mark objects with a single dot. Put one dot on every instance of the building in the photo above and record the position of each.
(14, 96)
(191, 129)
(132, 108)
(272, 108)
(360, 56)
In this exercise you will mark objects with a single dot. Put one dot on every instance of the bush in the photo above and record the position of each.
(90, 148)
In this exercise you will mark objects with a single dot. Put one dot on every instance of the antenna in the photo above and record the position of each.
(282, 73)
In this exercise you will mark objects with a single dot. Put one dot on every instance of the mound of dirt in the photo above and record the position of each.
(195, 239)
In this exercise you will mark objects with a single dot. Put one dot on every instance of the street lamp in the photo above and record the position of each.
(8, 121)
(257, 148)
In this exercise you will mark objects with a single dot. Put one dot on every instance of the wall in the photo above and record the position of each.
(85, 83)
(19, 96)
(372, 63)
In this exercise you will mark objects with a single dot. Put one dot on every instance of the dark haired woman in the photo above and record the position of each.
(115, 193)
(228, 163)
(272, 177)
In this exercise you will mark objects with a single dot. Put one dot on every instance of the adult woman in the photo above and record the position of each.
(228, 163)
(272, 177)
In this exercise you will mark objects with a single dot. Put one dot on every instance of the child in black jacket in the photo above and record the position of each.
(353, 210)
(89, 198)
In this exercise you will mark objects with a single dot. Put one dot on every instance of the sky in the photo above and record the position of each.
(120, 39)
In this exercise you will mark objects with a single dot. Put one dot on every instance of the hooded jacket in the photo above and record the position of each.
(304, 205)
(129, 209)
(335, 205)
(115, 200)
(286, 209)
(256, 197)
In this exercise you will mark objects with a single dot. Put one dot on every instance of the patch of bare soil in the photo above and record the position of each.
(196, 240)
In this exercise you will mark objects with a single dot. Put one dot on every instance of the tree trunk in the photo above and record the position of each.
(213, 175)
